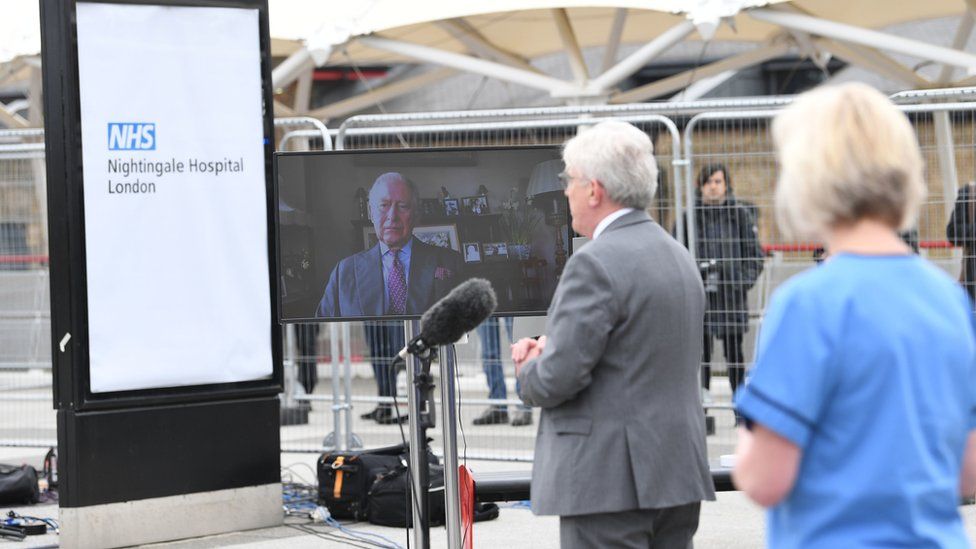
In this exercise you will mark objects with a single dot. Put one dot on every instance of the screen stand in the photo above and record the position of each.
(452, 502)
(419, 385)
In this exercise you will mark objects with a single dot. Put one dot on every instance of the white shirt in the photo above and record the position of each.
(606, 221)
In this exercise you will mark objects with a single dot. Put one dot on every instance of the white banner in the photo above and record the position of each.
(175, 212)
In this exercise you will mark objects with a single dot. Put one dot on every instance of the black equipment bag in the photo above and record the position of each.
(345, 478)
(18, 484)
(390, 503)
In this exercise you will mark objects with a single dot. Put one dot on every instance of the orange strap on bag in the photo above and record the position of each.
(337, 487)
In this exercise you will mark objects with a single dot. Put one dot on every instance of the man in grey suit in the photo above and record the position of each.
(400, 275)
(620, 454)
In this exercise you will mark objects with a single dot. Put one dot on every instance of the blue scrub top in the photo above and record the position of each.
(868, 365)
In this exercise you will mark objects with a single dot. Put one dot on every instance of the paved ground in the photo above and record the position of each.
(729, 523)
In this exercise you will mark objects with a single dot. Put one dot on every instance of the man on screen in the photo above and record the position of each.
(400, 275)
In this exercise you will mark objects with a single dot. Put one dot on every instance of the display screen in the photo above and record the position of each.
(385, 234)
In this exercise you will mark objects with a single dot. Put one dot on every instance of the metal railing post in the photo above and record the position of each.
(418, 462)
(452, 494)
(352, 441)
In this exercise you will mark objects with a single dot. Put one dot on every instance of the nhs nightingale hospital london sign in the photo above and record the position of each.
(175, 196)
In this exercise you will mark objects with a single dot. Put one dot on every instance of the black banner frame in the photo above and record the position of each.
(66, 219)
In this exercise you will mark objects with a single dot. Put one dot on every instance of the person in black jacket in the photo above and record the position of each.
(961, 231)
(730, 260)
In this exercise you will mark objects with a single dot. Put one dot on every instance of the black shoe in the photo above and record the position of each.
(371, 415)
(387, 416)
(522, 417)
(492, 416)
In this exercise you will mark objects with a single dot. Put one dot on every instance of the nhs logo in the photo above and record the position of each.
(131, 136)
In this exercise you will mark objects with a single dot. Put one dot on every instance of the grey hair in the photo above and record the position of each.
(389, 177)
(620, 157)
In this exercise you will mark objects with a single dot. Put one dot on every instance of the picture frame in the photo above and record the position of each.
(452, 207)
(494, 251)
(441, 236)
(471, 252)
(475, 205)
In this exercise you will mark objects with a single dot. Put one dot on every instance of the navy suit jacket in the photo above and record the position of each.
(356, 288)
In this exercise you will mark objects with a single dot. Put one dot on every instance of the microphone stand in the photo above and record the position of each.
(421, 416)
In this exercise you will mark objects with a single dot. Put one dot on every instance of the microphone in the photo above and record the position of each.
(457, 313)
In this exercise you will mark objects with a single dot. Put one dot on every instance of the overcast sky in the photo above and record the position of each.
(19, 28)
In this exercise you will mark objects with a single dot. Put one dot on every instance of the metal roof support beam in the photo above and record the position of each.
(467, 34)
(963, 31)
(11, 119)
(865, 37)
(635, 61)
(945, 143)
(303, 92)
(683, 80)
(695, 91)
(613, 41)
(296, 65)
(472, 64)
(576, 62)
(945, 150)
(380, 94)
(873, 60)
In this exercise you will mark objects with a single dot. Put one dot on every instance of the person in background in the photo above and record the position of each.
(620, 454)
(861, 408)
(385, 339)
(491, 362)
(730, 261)
(961, 231)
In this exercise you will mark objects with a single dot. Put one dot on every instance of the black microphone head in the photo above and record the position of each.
(457, 313)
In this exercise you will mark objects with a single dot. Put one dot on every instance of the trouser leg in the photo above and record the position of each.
(491, 359)
(735, 359)
(667, 528)
(306, 335)
(675, 527)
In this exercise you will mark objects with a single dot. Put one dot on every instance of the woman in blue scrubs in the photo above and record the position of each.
(861, 407)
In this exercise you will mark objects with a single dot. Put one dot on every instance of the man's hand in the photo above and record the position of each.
(525, 350)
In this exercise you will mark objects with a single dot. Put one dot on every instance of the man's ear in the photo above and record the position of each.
(597, 193)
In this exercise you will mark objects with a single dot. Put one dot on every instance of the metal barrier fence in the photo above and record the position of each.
(494, 428)
(739, 139)
(742, 141)
(26, 414)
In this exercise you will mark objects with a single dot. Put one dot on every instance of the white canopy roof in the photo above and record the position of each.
(500, 41)
(501, 38)
(527, 26)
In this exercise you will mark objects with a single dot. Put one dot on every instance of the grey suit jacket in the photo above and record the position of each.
(622, 425)
(356, 286)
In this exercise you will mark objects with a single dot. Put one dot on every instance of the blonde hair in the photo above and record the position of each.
(846, 153)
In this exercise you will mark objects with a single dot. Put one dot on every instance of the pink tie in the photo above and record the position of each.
(396, 284)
